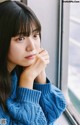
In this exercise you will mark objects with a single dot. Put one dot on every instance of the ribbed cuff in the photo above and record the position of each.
(44, 88)
(25, 94)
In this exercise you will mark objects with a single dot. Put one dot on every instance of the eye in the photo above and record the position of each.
(36, 35)
(20, 39)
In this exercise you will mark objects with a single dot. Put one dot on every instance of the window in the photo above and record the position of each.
(70, 69)
(74, 56)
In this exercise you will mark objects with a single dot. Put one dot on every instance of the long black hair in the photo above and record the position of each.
(15, 18)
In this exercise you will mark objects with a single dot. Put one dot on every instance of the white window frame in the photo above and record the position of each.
(62, 71)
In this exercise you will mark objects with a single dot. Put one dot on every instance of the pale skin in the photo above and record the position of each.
(34, 68)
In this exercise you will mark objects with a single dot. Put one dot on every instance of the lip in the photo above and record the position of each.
(30, 56)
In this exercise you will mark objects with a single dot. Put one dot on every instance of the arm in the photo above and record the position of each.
(6, 119)
(52, 100)
(25, 109)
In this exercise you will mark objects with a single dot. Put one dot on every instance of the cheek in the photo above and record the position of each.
(38, 45)
(14, 52)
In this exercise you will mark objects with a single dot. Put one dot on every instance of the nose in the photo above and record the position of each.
(30, 44)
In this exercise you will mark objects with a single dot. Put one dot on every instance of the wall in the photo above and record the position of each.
(47, 12)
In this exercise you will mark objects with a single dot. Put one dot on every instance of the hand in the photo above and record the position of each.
(31, 72)
(41, 78)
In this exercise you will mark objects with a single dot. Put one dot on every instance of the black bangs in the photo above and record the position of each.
(25, 23)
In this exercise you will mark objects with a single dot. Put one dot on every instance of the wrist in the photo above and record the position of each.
(28, 83)
(41, 78)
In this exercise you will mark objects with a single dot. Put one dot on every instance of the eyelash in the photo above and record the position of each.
(21, 38)
(35, 35)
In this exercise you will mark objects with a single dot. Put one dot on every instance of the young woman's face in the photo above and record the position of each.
(23, 49)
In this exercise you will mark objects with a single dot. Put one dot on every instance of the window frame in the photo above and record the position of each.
(62, 70)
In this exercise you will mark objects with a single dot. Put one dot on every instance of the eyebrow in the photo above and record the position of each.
(34, 30)
(26, 33)
(23, 33)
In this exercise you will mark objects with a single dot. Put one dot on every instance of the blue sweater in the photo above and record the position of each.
(40, 106)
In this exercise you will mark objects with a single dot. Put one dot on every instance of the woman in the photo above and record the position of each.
(26, 95)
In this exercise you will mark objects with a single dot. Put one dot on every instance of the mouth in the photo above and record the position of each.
(31, 56)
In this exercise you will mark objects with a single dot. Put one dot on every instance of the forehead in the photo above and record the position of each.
(28, 29)
(33, 27)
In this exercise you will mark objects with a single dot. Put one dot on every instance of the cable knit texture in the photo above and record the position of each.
(40, 106)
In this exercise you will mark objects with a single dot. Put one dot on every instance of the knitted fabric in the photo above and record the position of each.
(40, 106)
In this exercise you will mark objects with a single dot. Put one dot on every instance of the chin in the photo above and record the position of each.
(30, 63)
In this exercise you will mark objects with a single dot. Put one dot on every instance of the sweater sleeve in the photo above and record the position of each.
(52, 101)
(5, 118)
(25, 109)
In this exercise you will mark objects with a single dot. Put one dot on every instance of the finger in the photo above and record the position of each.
(44, 53)
(44, 56)
(40, 50)
(45, 60)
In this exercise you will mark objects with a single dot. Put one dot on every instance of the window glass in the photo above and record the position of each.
(74, 56)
